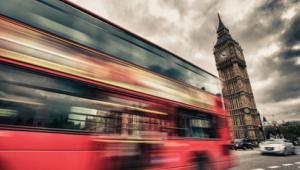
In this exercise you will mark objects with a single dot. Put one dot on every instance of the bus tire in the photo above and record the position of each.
(202, 163)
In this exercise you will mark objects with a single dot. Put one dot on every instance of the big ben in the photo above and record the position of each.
(237, 90)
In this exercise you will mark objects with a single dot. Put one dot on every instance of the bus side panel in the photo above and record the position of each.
(47, 151)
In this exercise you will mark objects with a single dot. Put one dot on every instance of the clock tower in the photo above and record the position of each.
(236, 90)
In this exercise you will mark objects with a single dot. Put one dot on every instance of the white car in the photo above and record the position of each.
(277, 146)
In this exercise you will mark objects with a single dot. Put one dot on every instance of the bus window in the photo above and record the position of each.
(32, 100)
(195, 124)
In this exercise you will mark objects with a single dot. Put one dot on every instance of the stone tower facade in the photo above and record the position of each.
(237, 90)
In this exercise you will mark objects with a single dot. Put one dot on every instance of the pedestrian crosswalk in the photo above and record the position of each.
(280, 166)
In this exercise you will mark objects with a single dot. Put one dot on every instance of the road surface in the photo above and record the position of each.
(253, 160)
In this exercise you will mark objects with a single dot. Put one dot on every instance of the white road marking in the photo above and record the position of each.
(273, 167)
(297, 162)
(258, 169)
(287, 164)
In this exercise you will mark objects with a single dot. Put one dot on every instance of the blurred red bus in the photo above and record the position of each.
(78, 92)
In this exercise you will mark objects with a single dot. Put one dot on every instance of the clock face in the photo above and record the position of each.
(224, 54)
(246, 110)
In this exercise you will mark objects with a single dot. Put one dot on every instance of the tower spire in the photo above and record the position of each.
(223, 32)
(221, 26)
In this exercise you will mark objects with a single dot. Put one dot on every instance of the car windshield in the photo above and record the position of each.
(238, 140)
(275, 141)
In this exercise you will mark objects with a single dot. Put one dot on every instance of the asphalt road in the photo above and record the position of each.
(253, 160)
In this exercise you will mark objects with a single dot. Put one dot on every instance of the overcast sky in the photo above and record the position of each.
(268, 31)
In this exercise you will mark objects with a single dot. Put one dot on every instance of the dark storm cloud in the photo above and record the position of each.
(292, 35)
(290, 53)
(286, 81)
(287, 86)
(263, 23)
(287, 65)
(272, 5)
(266, 23)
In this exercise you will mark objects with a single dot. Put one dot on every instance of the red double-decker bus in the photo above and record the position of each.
(81, 93)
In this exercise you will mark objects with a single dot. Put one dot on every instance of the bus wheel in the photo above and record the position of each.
(202, 163)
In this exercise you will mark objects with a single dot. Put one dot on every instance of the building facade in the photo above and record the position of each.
(236, 90)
